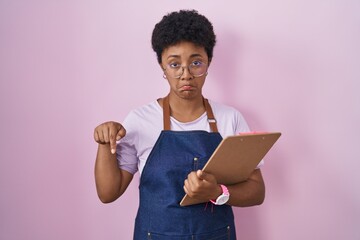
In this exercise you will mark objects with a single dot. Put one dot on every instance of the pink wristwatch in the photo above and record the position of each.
(223, 198)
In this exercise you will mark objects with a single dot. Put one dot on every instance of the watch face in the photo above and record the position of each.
(222, 199)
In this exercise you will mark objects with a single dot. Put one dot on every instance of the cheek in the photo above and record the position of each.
(201, 81)
(172, 83)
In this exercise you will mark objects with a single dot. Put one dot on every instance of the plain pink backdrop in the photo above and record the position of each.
(289, 66)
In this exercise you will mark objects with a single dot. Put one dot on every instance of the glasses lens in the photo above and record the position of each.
(197, 69)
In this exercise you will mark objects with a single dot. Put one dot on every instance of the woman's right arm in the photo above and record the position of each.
(111, 181)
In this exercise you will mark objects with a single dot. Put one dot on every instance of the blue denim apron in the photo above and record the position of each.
(174, 155)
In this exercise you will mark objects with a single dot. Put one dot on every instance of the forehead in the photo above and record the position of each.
(184, 50)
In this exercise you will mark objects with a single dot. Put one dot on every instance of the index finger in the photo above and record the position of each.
(112, 139)
(116, 136)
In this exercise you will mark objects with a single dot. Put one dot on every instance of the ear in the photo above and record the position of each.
(161, 66)
(163, 70)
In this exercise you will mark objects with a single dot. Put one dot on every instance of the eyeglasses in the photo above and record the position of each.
(196, 69)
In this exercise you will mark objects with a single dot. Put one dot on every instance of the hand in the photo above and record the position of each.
(109, 132)
(202, 185)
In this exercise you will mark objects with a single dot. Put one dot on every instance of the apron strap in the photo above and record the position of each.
(210, 115)
(166, 113)
(208, 109)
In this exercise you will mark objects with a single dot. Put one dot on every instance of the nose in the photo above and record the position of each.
(186, 75)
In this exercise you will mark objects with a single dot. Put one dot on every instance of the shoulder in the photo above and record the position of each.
(143, 122)
(230, 120)
(144, 117)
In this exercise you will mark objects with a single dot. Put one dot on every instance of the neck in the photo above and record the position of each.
(186, 110)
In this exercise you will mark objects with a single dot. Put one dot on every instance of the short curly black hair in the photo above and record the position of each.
(185, 25)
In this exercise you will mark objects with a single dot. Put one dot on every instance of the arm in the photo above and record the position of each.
(248, 193)
(204, 186)
(111, 181)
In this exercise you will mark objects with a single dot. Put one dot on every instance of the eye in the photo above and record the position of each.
(174, 65)
(197, 63)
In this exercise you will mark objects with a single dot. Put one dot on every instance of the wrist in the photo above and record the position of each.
(104, 145)
(104, 148)
(218, 192)
(223, 197)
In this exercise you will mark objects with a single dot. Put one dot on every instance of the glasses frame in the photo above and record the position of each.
(188, 68)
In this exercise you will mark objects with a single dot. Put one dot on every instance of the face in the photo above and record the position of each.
(177, 60)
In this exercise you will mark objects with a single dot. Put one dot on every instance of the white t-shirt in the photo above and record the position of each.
(144, 125)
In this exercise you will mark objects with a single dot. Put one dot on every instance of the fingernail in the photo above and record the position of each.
(113, 151)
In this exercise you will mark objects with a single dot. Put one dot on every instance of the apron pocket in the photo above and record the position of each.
(156, 236)
(220, 234)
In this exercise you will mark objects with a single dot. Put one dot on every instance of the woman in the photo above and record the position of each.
(169, 140)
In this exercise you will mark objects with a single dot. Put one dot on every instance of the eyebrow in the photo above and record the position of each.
(178, 56)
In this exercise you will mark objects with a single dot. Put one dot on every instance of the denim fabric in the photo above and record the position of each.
(160, 216)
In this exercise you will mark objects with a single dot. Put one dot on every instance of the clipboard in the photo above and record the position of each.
(235, 159)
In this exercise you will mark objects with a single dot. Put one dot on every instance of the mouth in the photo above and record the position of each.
(187, 88)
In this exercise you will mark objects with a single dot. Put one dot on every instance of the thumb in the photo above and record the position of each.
(120, 134)
(202, 175)
(208, 177)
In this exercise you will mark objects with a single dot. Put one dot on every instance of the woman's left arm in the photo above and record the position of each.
(248, 193)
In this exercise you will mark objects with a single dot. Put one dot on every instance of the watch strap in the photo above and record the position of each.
(225, 192)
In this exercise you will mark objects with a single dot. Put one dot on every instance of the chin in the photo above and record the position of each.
(188, 95)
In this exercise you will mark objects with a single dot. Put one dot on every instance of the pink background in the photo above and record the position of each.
(289, 66)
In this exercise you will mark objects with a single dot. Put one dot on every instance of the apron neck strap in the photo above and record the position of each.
(208, 109)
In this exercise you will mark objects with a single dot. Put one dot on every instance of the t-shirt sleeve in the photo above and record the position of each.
(241, 124)
(126, 153)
